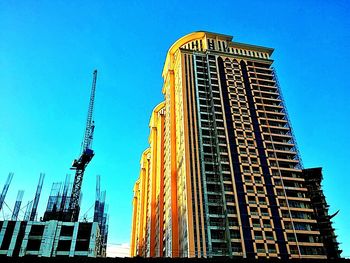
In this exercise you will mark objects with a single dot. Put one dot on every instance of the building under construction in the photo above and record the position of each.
(60, 231)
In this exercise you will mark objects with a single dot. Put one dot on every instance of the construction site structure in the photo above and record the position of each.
(58, 202)
(28, 211)
(50, 239)
(101, 215)
(37, 197)
(17, 205)
(58, 232)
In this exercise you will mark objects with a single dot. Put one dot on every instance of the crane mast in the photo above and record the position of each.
(79, 165)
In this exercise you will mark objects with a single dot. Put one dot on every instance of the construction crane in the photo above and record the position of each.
(79, 165)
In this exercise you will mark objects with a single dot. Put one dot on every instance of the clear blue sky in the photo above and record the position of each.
(48, 50)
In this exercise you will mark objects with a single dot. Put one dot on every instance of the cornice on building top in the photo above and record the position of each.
(204, 35)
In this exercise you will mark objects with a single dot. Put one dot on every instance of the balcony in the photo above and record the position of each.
(261, 92)
(275, 105)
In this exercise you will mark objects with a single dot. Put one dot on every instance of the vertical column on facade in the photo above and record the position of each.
(217, 123)
(58, 233)
(173, 178)
(49, 238)
(153, 151)
(228, 104)
(143, 204)
(197, 243)
(19, 239)
(135, 220)
(14, 238)
(141, 227)
(188, 157)
(25, 238)
(202, 184)
(160, 183)
(2, 231)
(156, 159)
(74, 239)
(235, 162)
(94, 237)
(147, 207)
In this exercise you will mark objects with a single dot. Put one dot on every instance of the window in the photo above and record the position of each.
(271, 248)
(247, 127)
(233, 221)
(256, 223)
(260, 248)
(251, 200)
(67, 230)
(37, 230)
(258, 235)
(33, 244)
(250, 189)
(235, 234)
(84, 230)
(257, 180)
(260, 190)
(267, 223)
(231, 209)
(269, 236)
(256, 170)
(254, 211)
(262, 201)
(64, 245)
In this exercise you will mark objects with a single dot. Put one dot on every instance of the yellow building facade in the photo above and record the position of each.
(222, 175)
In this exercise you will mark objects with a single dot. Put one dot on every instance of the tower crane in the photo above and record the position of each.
(80, 164)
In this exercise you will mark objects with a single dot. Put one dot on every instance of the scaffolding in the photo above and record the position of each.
(27, 212)
(101, 214)
(58, 203)
(64, 204)
(288, 124)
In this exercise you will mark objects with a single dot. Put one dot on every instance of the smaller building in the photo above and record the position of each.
(51, 239)
(313, 179)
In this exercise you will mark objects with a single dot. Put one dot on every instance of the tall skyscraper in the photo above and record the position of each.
(222, 175)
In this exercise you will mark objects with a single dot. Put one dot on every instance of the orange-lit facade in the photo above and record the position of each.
(222, 174)
(148, 200)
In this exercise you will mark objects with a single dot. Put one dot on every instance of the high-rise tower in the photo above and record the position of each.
(222, 175)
